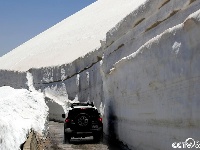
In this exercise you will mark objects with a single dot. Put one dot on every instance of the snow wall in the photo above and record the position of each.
(14, 79)
(144, 79)
(154, 92)
(79, 81)
(147, 84)
(151, 74)
(20, 112)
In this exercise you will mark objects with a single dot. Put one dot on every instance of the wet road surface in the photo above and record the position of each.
(56, 132)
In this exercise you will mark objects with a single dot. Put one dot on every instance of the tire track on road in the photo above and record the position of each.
(56, 132)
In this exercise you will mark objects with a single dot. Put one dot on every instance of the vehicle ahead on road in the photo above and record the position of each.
(83, 120)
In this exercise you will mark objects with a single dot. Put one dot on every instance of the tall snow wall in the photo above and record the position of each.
(151, 75)
(80, 80)
(13, 79)
(147, 84)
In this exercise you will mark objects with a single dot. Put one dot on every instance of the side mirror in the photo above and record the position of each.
(63, 115)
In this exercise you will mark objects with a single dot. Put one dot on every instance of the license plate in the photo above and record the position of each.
(94, 126)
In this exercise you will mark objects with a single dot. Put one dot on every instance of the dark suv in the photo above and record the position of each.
(83, 120)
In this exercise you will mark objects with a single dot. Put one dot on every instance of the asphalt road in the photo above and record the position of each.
(56, 133)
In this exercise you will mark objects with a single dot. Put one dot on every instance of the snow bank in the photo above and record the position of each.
(83, 86)
(152, 95)
(144, 24)
(20, 111)
(57, 100)
(70, 39)
(86, 86)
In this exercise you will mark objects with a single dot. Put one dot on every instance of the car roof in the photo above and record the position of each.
(81, 105)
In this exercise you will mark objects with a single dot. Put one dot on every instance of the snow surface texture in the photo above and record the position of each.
(145, 108)
(150, 25)
(63, 41)
(60, 95)
(13, 79)
(20, 111)
(154, 92)
(57, 101)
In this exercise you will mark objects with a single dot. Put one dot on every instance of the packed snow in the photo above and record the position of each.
(154, 92)
(70, 39)
(20, 112)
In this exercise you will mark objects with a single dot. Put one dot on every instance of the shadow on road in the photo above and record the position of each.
(78, 141)
(109, 143)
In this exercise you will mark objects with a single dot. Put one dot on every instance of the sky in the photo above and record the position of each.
(21, 20)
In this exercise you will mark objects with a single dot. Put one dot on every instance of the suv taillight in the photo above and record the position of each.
(100, 119)
(67, 120)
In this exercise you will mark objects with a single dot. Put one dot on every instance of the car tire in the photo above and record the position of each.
(98, 137)
(67, 138)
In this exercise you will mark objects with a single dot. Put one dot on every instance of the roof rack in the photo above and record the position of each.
(82, 104)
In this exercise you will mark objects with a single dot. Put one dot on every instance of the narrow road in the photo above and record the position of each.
(56, 132)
